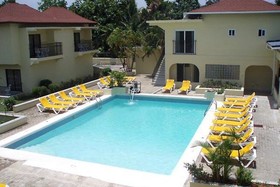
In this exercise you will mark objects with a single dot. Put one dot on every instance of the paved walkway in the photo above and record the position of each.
(16, 174)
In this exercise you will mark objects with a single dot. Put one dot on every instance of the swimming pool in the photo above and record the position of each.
(148, 135)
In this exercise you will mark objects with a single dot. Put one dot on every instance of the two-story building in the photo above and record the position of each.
(55, 44)
(224, 41)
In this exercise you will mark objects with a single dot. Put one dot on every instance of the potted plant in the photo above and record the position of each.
(116, 83)
(220, 94)
(221, 168)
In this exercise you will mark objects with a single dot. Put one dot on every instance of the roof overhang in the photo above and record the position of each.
(237, 12)
(58, 28)
(160, 22)
(273, 44)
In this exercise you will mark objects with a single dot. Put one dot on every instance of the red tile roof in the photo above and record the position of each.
(61, 15)
(238, 6)
(21, 13)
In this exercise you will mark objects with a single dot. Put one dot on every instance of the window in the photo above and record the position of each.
(230, 72)
(231, 32)
(261, 32)
(184, 42)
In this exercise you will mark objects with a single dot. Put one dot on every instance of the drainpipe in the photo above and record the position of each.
(273, 72)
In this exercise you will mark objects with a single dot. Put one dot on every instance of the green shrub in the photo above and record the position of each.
(40, 91)
(23, 96)
(105, 72)
(9, 103)
(244, 176)
(219, 84)
(54, 87)
(45, 82)
(118, 77)
(197, 172)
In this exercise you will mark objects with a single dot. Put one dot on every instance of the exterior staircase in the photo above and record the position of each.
(159, 79)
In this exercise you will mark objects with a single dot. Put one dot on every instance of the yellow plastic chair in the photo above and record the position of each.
(186, 87)
(247, 153)
(85, 90)
(46, 105)
(129, 79)
(236, 104)
(232, 122)
(55, 100)
(245, 137)
(225, 109)
(169, 86)
(232, 115)
(104, 83)
(228, 129)
(65, 97)
(76, 92)
(249, 98)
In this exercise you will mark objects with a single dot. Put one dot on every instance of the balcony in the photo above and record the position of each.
(48, 51)
(85, 47)
(184, 47)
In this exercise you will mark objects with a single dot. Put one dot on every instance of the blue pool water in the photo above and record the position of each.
(148, 135)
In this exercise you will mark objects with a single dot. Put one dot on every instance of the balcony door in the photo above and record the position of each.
(13, 78)
(34, 44)
(184, 42)
(77, 40)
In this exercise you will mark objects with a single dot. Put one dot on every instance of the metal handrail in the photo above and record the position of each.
(46, 50)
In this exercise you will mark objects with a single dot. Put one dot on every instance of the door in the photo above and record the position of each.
(13, 78)
(34, 45)
(77, 41)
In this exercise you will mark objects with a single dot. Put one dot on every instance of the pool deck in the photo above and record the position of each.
(267, 131)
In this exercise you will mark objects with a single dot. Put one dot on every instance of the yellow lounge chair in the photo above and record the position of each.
(169, 86)
(103, 83)
(129, 79)
(65, 97)
(237, 115)
(231, 122)
(76, 92)
(46, 105)
(85, 90)
(228, 129)
(249, 98)
(186, 87)
(245, 137)
(55, 100)
(246, 153)
(226, 109)
(236, 104)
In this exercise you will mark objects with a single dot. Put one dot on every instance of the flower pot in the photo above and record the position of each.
(220, 97)
(119, 90)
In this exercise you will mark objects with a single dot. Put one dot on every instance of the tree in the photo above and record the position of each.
(7, 1)
(277, 2)
(125, 43)
(118, 13)
(210, 2)
(45, 4)
(182, 6)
